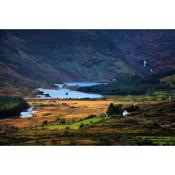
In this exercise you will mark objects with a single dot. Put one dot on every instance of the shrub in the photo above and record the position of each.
(144, 142)
(57, 119)
(81, 125)
(45, 123)
(103, 115)
(62, 121)
(67, 128)
(91, 116)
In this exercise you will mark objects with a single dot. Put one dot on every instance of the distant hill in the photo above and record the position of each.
(135, 85)
(30, 58)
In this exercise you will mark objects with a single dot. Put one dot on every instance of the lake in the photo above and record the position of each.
(65, 93)
(28, 113)
(79, 84)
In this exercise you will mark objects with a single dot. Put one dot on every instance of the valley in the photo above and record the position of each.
(87, 87)
(63, 115)
(85, 122)
(37, 58)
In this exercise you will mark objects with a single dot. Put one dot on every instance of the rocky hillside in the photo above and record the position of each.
(29, 58)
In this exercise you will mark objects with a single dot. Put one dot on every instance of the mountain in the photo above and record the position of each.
(30, 58)
(154, 47)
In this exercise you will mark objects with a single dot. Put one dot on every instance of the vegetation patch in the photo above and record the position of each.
(129, 85)
(118, 109)
(155, 140)
(77, 124)
(11, 106)
(155, 96)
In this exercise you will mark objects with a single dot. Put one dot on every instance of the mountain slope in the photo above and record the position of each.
(29, 58)
(59, 55)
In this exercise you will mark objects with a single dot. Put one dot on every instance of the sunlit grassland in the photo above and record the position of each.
(158, 95)
(76, 125)
(152, 124)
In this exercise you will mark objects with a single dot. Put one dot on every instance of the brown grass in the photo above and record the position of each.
(50, 110)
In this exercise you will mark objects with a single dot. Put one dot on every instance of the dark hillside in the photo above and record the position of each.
(29, 58)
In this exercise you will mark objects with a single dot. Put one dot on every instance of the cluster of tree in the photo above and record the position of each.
(132, 108)
(118, 109)
(114, 109)
(128, 85)
(12, 106)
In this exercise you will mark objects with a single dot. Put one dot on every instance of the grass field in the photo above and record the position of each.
(76, 125)
(52, 110)
(156, 96)
(153, 124)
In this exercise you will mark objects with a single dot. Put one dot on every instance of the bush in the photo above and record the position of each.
(91, 116)
(45, 123)
(57, 120)
(103, 115)
(144, 142)
(81, 125)
(62, 121)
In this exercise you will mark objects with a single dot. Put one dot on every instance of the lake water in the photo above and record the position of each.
(28, 113)
(63, 93)
(66, 93)
(81, 84)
